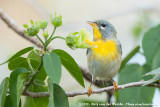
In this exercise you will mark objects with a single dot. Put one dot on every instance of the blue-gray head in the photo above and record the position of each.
(103, 29)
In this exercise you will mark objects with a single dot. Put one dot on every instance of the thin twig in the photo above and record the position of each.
(83, 92)
(40, 39)
(30, 66)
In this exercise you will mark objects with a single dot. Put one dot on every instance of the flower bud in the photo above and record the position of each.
(77, 39)
(31, 30)
(57, 20)
(43, 24)
(45, 34)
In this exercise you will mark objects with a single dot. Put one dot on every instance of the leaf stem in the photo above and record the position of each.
(40, 39)
(40, 85)
(60, 37)
(141, 52)
(45, 45)
(49, 40)
(33, 76)
(36, 52)
(30, 66)
(52, 33)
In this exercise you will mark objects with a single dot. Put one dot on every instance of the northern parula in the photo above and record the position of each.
(104, 59)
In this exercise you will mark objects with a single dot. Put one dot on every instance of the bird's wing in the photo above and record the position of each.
(119, 47)
(88, 51)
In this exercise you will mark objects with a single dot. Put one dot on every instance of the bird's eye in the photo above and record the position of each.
(103, 25)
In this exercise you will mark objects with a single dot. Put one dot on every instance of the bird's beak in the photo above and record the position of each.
(93, 24)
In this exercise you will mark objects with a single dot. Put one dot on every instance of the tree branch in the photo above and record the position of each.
(83, 92)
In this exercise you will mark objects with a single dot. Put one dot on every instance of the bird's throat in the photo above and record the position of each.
(97, 33)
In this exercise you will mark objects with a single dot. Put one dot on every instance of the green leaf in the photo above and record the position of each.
(33, 55)
(41, 75)
(52, 66)
(153, 72)
(15, 63)
(21, 52)
(3, 91)
(50, 88)
(57, 95)
(32, 22)
(132, 73)
(156, 77)
(8, 102)
(129, 56)
(22, 62)
(156, 61)
(17, 78)
(146, 69)
(151, 43)
(36, 102)
(37, 86)
(70, 64)
(25, 25)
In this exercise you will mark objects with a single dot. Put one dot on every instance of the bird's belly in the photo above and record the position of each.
(103, 68)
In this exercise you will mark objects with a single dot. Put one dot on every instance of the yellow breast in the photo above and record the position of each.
(107, 49)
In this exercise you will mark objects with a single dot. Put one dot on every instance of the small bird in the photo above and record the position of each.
(104, 58)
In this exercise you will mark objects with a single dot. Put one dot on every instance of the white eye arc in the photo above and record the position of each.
(102, 26)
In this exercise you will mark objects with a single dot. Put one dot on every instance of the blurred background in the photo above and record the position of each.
(131, 19)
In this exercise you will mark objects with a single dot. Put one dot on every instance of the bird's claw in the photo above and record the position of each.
(90, 91)
(115, 86)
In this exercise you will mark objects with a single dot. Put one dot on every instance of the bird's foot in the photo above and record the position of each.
(90, 91)
(115, 86)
